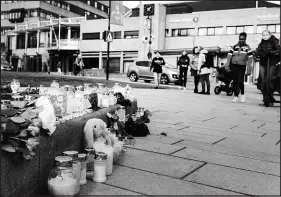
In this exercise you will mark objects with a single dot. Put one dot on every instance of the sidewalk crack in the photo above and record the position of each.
(219, 140)
(177, 142)
(193, 171)
(178, 150)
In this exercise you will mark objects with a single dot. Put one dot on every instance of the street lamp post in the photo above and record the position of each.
(149, 54)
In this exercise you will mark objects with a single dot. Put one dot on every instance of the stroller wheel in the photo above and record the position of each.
(266, 102)
(229, 93)
(217, 90)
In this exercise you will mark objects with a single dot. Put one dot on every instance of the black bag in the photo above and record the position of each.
(93, 99)
(137, 128)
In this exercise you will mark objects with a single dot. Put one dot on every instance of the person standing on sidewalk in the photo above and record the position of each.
(156, 68)
(183, 63)
(59, 68)
(20, 64)
(194, 67)
(204, 71)
(269, 48)
(78, 65)
(239, 59)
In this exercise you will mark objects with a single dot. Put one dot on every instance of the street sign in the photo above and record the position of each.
(108, 36)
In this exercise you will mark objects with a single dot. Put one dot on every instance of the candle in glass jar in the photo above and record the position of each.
(62, 186)
(100, 167)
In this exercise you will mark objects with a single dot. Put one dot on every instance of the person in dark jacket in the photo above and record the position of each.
(268, 49)
(183, 63)
(156, 68)
(194, 67)
(239, 59)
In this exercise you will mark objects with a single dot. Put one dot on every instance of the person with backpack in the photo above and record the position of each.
(204, 71)
(183, 63)
(269, 48)
(239, 60)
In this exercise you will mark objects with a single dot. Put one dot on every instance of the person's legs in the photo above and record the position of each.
(272, 73)
(234, 73)
(180, 76)
(241, 76)
(184, 77)
(196, 82)
(207, 79)
(155, 79)
(158, 78)
(202, 81)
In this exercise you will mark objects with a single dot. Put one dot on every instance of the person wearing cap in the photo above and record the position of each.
(156, 68)
(183, 63)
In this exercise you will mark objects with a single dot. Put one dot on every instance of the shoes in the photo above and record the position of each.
(242, 99)
(180, 87)
(202, 92)
(195, 91)
(184, 88)
(156, 87)
(235, 99)
(207, 93)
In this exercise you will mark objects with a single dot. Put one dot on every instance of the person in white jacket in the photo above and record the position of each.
(204, 71)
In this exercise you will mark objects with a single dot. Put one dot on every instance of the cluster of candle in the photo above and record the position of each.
(73, 169)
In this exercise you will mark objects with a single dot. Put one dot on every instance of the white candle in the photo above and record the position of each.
(62, 186)
(109, 151)
(100, 171)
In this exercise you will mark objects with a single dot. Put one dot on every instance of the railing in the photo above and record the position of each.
(65, 44)
(76, 20)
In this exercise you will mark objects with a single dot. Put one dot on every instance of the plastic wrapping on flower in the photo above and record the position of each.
(46, 114)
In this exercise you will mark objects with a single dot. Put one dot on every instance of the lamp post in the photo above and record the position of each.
(149, 54)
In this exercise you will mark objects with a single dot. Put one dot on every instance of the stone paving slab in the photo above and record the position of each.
(156, 147)
(158, 163)
(159, 138)
(236, 180)
(93, 189)
(153, 184)
(253, 154)
(230, 160)
(248, 144)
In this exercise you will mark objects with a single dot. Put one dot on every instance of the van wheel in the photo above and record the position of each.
(164, 79)
(147, 81)
(133, 77)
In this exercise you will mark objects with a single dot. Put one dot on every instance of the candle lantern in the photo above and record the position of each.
(55, 84)
(83, 161)
(61, 179)
(100, 167)
(76, 166)
(15, 85)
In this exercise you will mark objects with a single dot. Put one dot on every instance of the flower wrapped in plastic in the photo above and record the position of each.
(46, 114)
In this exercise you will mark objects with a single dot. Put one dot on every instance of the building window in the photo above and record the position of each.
(167, 33)
(91, 36)
(273, 28)
(96, 4)
(202, 31)
(131, 34)
(89, 2)
(218, 30)
(182, 32)
(32, 40)
(21, 41)
(117, 35)
(102, 8)
(211, 31)
(33, 13)
(249, 29)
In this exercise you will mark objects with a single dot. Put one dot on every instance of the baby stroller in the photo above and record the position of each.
(276, 83)
(226, 83)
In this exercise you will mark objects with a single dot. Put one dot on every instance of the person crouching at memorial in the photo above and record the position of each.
(204, 71)
(238, 59)
(183, 63)
(194, 67)
(156, 68)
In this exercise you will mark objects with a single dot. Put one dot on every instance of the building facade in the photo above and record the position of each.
(173, 27)
(25, 16)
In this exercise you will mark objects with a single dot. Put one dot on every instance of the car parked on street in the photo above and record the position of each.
(141, 70)
(6, 66)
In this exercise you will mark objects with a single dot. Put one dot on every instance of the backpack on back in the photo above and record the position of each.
(209, 60)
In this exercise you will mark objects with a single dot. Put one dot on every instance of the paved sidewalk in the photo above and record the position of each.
(212, 147)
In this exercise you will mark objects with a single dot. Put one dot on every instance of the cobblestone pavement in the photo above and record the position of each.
(212, 147)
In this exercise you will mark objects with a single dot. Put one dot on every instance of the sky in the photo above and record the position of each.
(133, 4)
